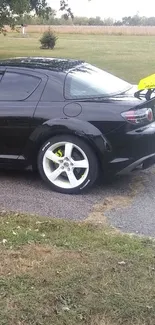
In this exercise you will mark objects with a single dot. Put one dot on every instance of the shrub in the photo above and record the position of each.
(48, 40)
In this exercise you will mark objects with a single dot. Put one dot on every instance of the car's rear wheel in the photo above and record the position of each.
(68, 164)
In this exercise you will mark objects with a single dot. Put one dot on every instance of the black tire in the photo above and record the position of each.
(92, 160)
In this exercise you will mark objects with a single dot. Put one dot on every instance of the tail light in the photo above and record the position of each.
(139, 116)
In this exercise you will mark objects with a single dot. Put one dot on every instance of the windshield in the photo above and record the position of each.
(87, 81)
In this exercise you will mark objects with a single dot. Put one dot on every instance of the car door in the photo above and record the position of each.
(20, 91)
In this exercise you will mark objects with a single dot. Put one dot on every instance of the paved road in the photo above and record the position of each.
(127, 203)
(139, 215)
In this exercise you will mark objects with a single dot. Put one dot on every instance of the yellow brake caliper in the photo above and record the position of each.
(59, 153)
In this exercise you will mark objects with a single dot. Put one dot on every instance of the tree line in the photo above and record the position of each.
(135, 20)
(13, 12)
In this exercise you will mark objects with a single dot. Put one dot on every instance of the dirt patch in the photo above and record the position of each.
(104, 321)
(31, 258)
(110, 203)
(117, 201)
(98, 321)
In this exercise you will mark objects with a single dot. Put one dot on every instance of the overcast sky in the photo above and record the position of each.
(109, 8)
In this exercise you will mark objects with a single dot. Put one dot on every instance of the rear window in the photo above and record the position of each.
(88, 81)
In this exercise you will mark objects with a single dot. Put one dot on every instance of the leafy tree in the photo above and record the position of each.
(64, 6)
(132, 21)
(29, 19)
(12, 10)
(95, 21)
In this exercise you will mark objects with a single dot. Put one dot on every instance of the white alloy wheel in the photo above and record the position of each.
(65, 165)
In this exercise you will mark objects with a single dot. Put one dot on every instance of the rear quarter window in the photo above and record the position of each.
(17, 86)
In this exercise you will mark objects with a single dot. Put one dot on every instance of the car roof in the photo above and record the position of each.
(53, 64)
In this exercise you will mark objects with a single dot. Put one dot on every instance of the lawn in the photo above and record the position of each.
(64, 273)
(130, 57)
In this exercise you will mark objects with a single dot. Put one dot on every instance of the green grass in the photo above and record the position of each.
(58, 272)
(130, 57)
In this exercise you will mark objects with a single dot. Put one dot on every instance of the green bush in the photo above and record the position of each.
(48, 40)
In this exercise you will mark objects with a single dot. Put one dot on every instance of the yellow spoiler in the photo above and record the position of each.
(147, 83)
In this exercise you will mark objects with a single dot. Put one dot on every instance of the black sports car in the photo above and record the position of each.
(72, 121)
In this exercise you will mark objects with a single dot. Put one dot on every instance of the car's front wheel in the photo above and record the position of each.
(68, 164)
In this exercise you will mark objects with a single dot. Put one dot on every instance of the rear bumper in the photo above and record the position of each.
(134, 148)
(144, 162)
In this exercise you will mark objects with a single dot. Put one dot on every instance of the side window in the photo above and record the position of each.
(17, 86)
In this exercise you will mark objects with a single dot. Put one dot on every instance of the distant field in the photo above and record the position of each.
(130, 57)
(105, 30)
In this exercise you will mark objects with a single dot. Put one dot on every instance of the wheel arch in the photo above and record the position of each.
(82, 129)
